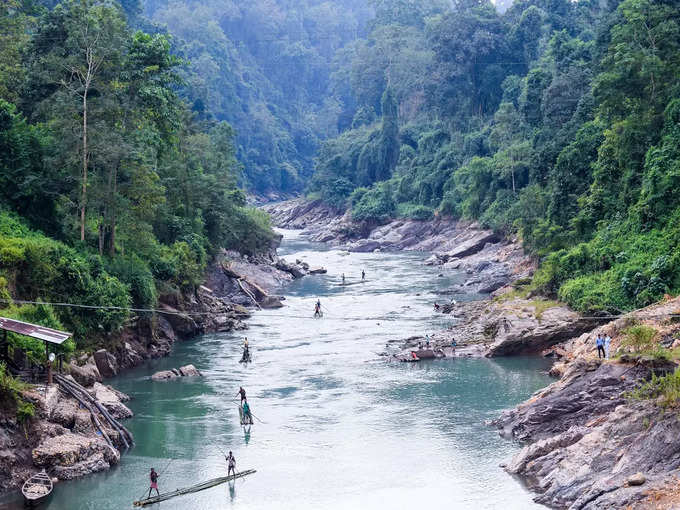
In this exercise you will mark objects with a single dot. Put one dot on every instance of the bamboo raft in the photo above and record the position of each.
(194, 488)
(242, 418)
(347, 284)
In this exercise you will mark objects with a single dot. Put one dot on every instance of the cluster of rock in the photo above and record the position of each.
(322, 223)
(490, 261)
(61, 438)
(233, 283)
(589, 444)
(174, 373)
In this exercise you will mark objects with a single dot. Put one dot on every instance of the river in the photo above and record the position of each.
(337, 426)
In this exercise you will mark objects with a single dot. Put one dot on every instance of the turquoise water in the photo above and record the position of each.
(337, 426)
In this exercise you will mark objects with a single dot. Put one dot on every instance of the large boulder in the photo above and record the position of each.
(294, 269)
(189, 371)
(106, 363)
(473, 245)
(70, 455)
(112, 401)
(130, 355)
(165, 375)
(271, 302)
(185, 371)
(364, 246)
(64, 413)
(86, 375)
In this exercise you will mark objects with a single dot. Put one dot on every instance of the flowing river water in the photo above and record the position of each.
(338, 427)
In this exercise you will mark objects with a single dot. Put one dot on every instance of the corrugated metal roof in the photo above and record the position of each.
(34, 331)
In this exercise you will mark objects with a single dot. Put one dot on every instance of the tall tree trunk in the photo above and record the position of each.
(112, 226)
(83, 196)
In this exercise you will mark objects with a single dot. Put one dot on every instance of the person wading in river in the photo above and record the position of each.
(241, 392)
(153, 476)
(317, 309)
(231, 463)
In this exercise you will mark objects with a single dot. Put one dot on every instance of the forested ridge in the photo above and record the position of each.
(129, 130)
(112, 190)
(556, 121)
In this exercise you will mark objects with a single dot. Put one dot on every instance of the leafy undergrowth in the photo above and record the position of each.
(11, 398)
(664, 389)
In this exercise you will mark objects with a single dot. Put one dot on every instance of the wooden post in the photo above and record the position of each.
(49, 364)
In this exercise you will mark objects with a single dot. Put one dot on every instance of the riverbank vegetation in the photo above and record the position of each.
(112, 190)
(558, 121)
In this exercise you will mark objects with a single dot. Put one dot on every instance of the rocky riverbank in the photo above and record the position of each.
(234, 284)
(63, 438)
(589, 440)
(589, 443)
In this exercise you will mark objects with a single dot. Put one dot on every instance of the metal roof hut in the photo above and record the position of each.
(47, 335)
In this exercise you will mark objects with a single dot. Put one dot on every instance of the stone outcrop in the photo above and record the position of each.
(112, 400)
(60, 438)
(174, 373)
(70, 456)
(506, 327)
(588, 443)
(106, 363)
(86, 374)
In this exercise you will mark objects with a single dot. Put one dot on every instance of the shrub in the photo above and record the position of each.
(640, 338)
(375, 204)
(136, 274)
(665, 388)
(415, 212)
(10, 395)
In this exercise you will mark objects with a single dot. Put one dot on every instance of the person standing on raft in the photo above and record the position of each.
(246, 412)
(241, 392)
(363, 275)
(153, 476)
(231, 463)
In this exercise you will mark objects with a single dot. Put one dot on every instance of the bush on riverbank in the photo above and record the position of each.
(664, 389)
(10, 396)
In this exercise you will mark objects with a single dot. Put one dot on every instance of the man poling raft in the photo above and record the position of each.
(245, 358)
(194, 488)
(245, 415)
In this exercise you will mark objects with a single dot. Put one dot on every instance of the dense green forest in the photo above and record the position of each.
(555, 120)
(112, 190)
(128, 131)
(266, 67)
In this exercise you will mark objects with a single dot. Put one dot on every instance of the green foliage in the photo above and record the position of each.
(415, 212)
(640, 338)
(10, 395)
(665, 389)
(373, 205)
(557, 123)
(158, 186)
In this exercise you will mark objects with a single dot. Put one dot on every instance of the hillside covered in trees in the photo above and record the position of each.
(555, 120)
(267, 67)
(129, 129)
(112, 191)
